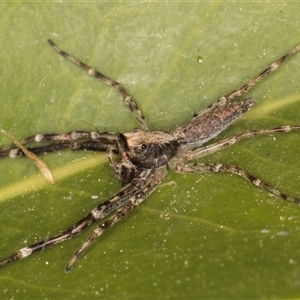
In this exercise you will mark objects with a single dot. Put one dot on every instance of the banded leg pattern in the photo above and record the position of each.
(128, 100)
(209, 149)
(220, 168)
(74, 140)
(135, 192)
(134, 201)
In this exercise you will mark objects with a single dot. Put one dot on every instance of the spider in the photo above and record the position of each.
(140, 158)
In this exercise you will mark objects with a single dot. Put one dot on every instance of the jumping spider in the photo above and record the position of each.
(143, 155)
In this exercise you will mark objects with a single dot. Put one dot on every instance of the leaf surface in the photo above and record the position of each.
(198, 236)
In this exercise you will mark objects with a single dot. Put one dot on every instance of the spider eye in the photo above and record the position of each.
(144, 146)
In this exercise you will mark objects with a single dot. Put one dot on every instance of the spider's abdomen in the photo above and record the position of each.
(210, 122)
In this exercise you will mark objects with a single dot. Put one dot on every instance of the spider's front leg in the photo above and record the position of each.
(151, 150)
(127, 98)
(143, 159)
(135, 192)
(155, 176)
(74, 140)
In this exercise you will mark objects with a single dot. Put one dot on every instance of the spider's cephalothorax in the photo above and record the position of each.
(143, 155)
(147, 150)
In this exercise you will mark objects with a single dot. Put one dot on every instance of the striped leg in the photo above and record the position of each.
(75, 140)
(120, 213)
(209, 149)
(220, 168)
(128, 100)
(271, 68)
(135, 192)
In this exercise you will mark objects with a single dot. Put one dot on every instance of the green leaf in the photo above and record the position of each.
(198, 236)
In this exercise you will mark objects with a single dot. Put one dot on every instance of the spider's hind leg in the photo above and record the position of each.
(178, 163)
(226, 168)
(270, 69)
(212, 148)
